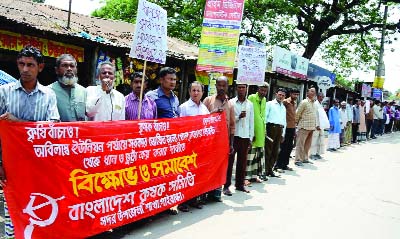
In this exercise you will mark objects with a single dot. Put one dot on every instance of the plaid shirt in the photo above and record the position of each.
(306, 115)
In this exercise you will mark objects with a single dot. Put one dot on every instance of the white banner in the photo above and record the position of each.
(251, 65)
(150, 38)
(290, 64)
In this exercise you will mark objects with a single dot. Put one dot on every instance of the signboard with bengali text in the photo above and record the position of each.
(251, 65)
(150, 38)
(220, 35)
(15, 42)
(74, 180)
(377, 94)
(290, 64)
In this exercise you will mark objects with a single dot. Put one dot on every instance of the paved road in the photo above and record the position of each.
(353, 193)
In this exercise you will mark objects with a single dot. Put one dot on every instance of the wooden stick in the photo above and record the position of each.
(141, 90)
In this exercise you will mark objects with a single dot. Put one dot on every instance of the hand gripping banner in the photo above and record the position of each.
(74, 180)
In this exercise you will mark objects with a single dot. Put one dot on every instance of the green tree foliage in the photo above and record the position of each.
(39, 1)
(345, 33)
(118, 10)
(342, 81)
(395, 96)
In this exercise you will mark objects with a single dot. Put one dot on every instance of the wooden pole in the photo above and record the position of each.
(69, 14)
(141, 90)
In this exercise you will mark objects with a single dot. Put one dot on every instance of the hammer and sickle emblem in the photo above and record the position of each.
(34, 219)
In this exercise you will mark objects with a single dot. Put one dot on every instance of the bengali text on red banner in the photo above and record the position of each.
(74, 180)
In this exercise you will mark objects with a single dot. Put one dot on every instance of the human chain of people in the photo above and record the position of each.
(261, 134)
(152, 154)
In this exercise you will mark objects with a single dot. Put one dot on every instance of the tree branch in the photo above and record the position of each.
(248, 34)
(300, 24)
(364, 27)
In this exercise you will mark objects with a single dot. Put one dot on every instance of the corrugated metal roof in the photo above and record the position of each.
(52, 19)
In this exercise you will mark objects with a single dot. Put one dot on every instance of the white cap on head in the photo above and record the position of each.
(264, 84)
(222, 78)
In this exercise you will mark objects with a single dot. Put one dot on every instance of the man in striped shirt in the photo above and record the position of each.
(26, 100)
(149, 107)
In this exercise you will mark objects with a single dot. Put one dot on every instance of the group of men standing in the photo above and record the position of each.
(263, 133)
(65, 100)
(362, 121)
(260, 134)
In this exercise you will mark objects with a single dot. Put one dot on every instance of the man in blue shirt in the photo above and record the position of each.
(275, 117)
(167, 107)
(167, 102)
(335, 129)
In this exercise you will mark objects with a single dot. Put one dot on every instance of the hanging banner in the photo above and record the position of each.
(315, 73)
(74, 180)
(290, 64)
(150, 37)
(251, 65)
(366, 90)
(15, 42)
(220, 35)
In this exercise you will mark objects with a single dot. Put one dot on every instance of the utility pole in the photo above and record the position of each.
(69, 14)
(380, 71)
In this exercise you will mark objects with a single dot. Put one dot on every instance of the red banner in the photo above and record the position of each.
(74, 180)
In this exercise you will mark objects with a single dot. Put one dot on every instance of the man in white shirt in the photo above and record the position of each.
(103, 102)
(378, 117)
(348, 128)
(275, 118)
(194, 106)
(317, 144)
(343, 121)
(244, 133)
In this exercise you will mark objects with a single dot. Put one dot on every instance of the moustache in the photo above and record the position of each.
(221, 91)
(69, 74)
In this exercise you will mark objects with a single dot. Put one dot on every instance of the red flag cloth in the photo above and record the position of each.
(74, 180)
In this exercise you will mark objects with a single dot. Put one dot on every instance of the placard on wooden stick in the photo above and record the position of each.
(150, 38)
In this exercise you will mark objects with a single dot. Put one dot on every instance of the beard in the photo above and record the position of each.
(65, 80)
(220, 92)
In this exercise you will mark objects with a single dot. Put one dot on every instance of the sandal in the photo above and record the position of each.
(247, 183)
(256, 180)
